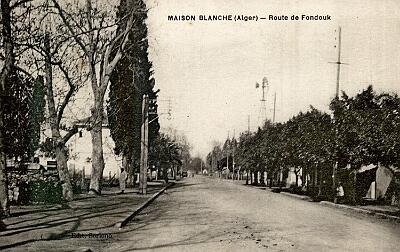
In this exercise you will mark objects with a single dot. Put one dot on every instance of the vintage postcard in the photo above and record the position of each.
(214, 125)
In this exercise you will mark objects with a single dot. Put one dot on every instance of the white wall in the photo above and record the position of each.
(81, 148)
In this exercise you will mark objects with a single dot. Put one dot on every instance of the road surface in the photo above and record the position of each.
(206, 214)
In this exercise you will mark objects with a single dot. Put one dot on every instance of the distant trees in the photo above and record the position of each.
(168, 152)
(214, 157)
(196, 165)
(364, 130)
(303, 142)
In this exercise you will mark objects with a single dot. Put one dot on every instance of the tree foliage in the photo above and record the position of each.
(17, 110)
(364, 130)
(306, 140)
(130, 80)
(368, 126)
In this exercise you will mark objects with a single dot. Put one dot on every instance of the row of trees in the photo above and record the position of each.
(363, 130)
(168, 152)
(50, 50)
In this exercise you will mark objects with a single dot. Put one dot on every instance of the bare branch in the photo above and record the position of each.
(70, 134)
(111, 65)
(16, 4)
(71, 30)
(72, 89)
(90, 24)
(23, 71)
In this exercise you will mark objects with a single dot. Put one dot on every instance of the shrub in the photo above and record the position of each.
(45, 191)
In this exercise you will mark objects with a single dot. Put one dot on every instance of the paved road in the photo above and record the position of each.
(205, 214)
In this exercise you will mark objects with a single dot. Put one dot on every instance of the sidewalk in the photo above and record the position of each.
(86, 222)
(386, 212)
(382, 211)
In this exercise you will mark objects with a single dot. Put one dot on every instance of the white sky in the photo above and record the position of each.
(209, 69)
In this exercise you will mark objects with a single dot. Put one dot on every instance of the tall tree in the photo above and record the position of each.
(8, 64)
(55, 115)
(37, 115)
(51, 53)
(15, 88)
(102, 44)
(17, 112)
(130, 80)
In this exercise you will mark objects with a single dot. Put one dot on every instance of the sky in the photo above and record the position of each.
(208, 69)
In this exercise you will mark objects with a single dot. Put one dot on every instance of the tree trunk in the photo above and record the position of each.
(96, 178)
(4, 209)
(125, 164)
(166, 174)
(320, 186)
(175, 171)
(97, 155)
(5, 72)
(128, 166)
(247, 177)
(262, 178)
(61, 155)
(354, 196)
(315, 177)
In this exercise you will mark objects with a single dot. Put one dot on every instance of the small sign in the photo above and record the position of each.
(51, 165)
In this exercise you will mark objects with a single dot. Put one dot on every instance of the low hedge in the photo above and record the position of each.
(43, 191)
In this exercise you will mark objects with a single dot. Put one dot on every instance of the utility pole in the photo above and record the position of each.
(144, 146)
(212, 163)
(338, 63)
(273, 117)
(248, 123)
(227, 156)
(233, 163)
(233, 155)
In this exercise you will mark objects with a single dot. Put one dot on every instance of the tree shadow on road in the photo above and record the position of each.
(43, 225)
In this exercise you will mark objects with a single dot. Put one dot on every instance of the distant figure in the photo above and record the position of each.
(340, 192)
(122, 180)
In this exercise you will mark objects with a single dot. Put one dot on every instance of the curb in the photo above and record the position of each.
(125, 221)
(302, 197)
(363, 211)
(340, 206)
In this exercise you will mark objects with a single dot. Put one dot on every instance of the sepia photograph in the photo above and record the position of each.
(213, 125)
